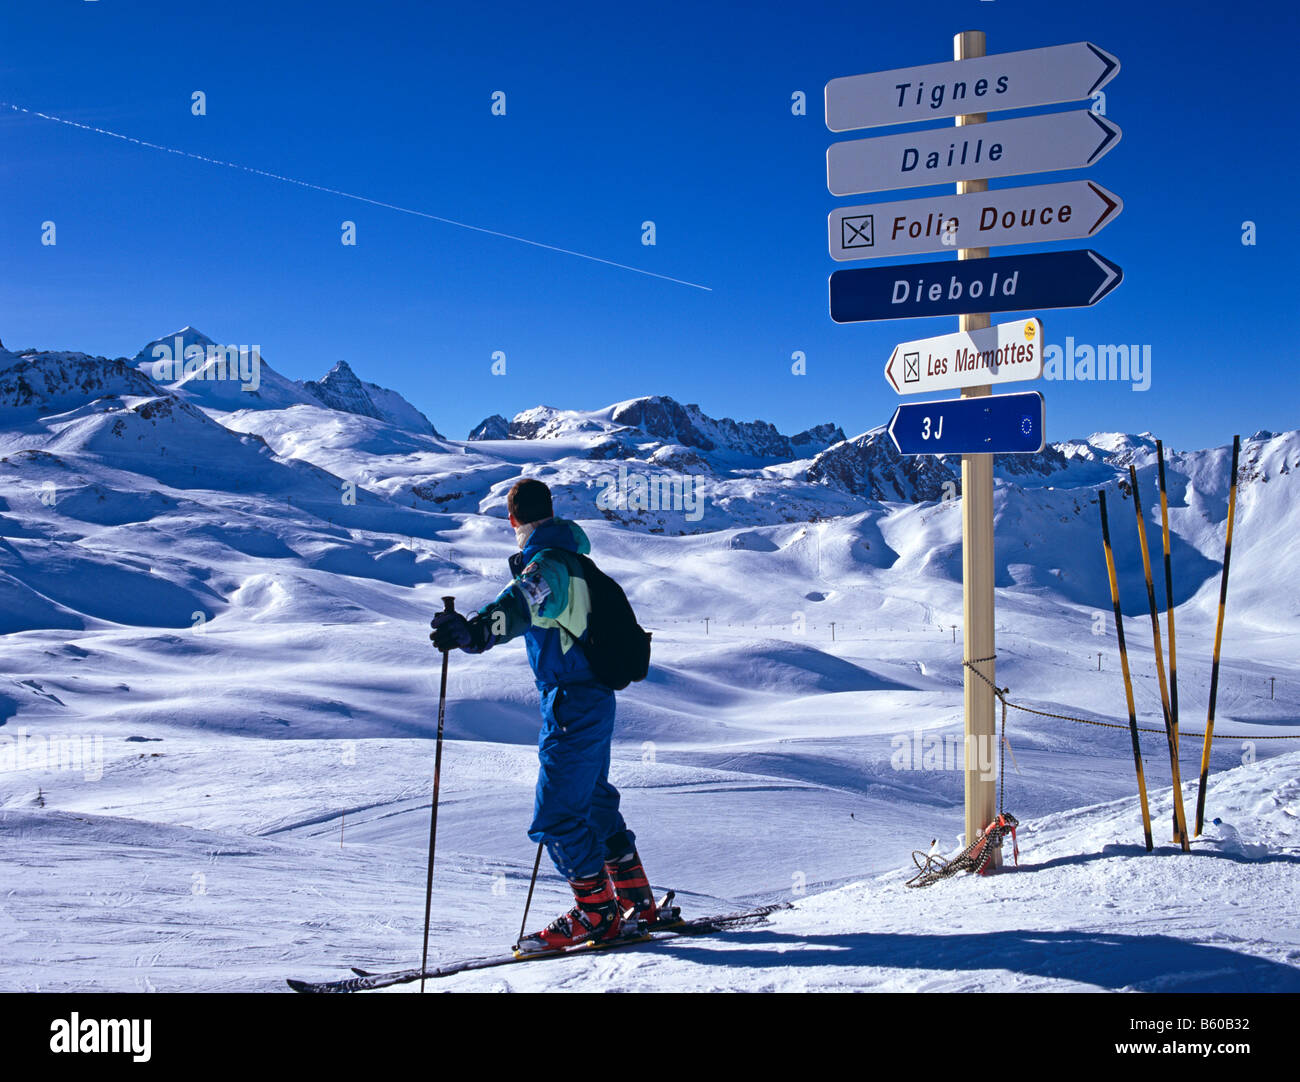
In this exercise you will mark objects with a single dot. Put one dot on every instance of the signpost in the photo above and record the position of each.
(1003, 148)
(979, 424)
(987, 424)
(1058, 73)
(1031, 215)
(1003, 354)
(1009, 283)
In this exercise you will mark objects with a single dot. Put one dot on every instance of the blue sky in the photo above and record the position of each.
(675, 113)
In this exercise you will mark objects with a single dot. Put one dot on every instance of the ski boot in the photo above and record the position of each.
(595, 918)
(635, 898)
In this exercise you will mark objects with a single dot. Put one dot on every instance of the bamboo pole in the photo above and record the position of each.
(1128, 680)
(1218, 641)
(1180, 814)
(1169, 600)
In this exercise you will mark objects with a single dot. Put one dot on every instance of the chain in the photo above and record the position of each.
(1001, 694)
(1002, 745)
(976, 856)
(1002, 763)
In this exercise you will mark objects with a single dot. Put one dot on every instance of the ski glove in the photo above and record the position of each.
(451, 630)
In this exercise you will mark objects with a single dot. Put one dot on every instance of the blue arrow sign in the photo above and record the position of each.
(1008, 283)
(995, 424)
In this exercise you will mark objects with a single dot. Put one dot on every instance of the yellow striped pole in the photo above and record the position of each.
(1218, 641)
(1169, 600)
(1180, 814)
(1128, 681)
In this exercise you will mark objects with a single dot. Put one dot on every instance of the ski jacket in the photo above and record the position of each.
(546, 600)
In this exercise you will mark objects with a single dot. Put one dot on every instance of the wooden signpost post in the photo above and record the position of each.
(977, 551)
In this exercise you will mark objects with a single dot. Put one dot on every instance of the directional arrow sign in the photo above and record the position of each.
(980, 85)
(1000, 148)
(994, 424)
(1043, 212)
(1001, 354)
(1006, 283)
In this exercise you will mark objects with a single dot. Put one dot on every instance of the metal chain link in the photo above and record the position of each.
(1002, 762)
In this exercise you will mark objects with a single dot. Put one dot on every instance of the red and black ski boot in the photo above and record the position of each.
(595, 918)
(635, 898)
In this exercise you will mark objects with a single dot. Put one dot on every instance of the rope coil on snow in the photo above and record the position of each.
(976, 857)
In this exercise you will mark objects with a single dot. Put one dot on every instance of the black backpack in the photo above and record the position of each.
(617, 647)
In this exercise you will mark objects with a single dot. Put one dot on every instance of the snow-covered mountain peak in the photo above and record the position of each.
(220, 376)
(341, 371)
(343, 389)
(869, 465)
(187, 336)
(639, 426)
(55, 381)
(1124, 447)
(690, 426)
(495, 427)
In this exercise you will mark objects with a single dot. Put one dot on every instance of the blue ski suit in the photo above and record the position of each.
(575, 810)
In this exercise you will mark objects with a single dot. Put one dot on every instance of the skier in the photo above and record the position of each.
(576, 812)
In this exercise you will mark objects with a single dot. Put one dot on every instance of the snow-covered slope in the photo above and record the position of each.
(231, 604)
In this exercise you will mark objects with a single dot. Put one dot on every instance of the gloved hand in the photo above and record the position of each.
(451, 630)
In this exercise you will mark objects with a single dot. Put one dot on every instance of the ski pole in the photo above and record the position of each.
(1180, 815)
(1218, 640)
(1123, 661)
(1169, 597)
(528, 902)
(448, 605)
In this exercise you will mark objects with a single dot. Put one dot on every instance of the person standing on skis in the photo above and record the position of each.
(576, 810)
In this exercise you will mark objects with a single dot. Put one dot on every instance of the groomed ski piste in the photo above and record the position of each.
(219, 700)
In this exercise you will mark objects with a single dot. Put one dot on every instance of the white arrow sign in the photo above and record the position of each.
(1041, 212)
(1000, 148)
(1002, 354)
(983, 84)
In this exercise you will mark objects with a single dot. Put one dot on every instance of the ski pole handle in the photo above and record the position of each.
(448, 604)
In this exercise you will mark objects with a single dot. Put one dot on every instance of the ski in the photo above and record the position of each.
(669, 916)
(660, 930)
(640, 935)
(663, 924)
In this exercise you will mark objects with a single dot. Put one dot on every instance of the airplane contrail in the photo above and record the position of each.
(351, 195)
